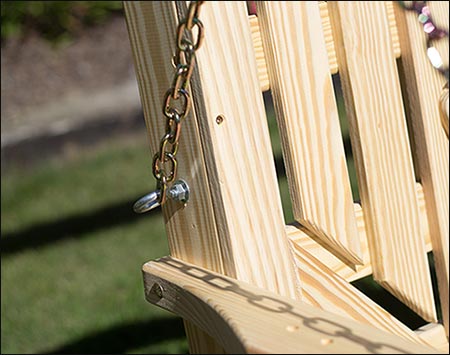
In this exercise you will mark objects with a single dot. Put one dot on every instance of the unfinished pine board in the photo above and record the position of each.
(238, 154)
(191, 230)
(329, 41)
(444, 108)
(434, 335)
(300, 237)
(259, 53)
(247, 319)
(328, 32)
(308, 121)
(423, 90)
(151, 28)
(324, 289)
(328, 35)
(393, 28)
(199, 341)
(382, 153)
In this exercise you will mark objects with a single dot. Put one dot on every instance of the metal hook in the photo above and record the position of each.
(148, 202)
(178, 192)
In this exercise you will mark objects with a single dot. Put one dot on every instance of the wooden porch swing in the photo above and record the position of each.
(243, 280)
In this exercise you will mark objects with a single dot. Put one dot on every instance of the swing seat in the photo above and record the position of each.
(242, 279)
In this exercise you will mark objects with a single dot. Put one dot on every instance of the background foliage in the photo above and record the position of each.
(53, 20)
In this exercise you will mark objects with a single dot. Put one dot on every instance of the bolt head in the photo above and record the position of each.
(157, 290)
(179, 191)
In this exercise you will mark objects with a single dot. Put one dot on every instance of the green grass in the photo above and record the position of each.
(63, 188)
(81, 290)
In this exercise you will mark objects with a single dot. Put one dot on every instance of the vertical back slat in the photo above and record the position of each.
(382, 153)
(307, 115)
(259, 53)
(238, 154)
(328, 35)
(423, 89)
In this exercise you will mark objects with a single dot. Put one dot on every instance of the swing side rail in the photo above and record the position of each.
(244, 319)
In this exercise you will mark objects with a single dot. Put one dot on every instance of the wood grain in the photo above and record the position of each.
(382, 154)
(423, 89)
(259, 53)
(299, 236)
(324, 289)
(238, 157)
(247, 319)
(328, 36)
(329, 41)
(199, 341)
(434, 335)
(393, 28)
(309, 127)
(443, 110)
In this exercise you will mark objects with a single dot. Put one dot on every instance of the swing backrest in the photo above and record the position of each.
(234, 224)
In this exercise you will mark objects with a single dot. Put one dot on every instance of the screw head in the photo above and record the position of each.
(220, 119)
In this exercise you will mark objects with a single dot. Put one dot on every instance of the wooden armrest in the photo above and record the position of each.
(246, 319)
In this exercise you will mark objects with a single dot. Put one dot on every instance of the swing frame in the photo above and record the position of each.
(243, 280)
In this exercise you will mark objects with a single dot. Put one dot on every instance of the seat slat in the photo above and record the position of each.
(308, 119)
(423, 89)
(382, 153)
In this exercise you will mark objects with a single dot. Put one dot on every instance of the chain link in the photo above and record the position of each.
(177, 101)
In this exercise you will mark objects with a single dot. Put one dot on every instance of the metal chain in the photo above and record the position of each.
(433, 33)
(177, 100)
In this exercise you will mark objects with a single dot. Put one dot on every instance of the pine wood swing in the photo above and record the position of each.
(245, 282)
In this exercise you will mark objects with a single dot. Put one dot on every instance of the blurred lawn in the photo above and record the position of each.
(80, 290)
